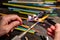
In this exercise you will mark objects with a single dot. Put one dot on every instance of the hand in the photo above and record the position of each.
(51, 31)
(54, 31)
(8, 23)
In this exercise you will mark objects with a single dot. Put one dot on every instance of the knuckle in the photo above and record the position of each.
(15, 23)
(16, 15)
(4, 18)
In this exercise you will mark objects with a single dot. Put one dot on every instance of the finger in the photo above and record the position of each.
(13, 17)
(13, 24)
(53, 27)
(12, 30)
(49, 30)
(8, 18)
(7, 35)
(50, 34)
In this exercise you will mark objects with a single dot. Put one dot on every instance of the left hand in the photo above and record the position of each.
(8, 23)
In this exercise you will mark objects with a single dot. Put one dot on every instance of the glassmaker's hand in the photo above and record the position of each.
(8, 23)
(54, 31)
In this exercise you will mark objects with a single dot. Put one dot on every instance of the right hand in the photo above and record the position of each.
(54, 31)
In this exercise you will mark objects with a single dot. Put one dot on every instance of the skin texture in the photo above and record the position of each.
(8, 23)
(54, 31)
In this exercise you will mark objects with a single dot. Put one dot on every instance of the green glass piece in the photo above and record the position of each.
(24, 29)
